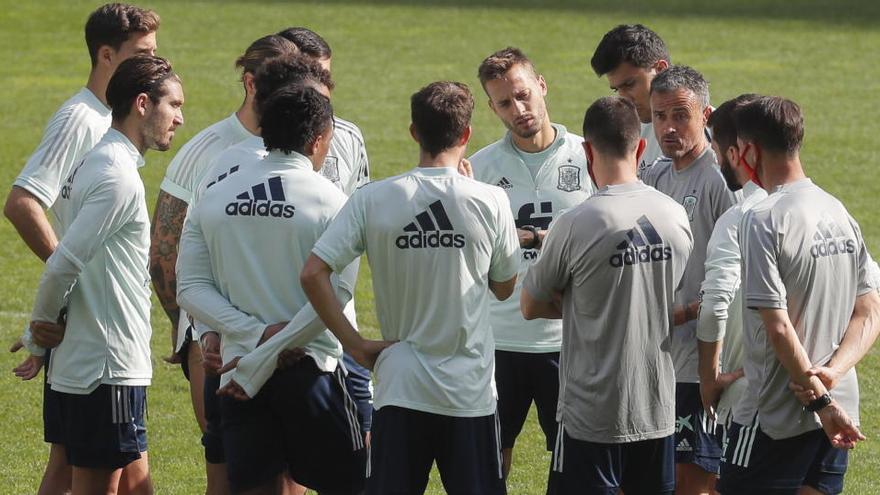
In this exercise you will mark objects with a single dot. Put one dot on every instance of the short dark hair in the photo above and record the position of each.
(262, 49)
(631, 43)
(441, 111)
(500, 62)
(682, 77)
(281, 71)
(612, 126)
(113, 24)
(293, 117)
(721, 121)
(139, 74)
(308, 42)
(773, 122)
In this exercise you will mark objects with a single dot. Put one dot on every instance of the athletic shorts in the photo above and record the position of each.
(696, 441)
(212, 438)
(360, 388)
(53, 426)
(302, 421)
(755, 463)
(405, 443)
(521, 378)
(578, 467)
(104, 429)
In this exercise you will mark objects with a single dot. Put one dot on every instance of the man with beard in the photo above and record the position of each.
(542, 168)
(680, 108)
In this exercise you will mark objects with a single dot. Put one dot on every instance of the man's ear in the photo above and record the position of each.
(732, 154)
(661, 65)
(248, 80)
(543, 85)
(105, 56)
(640, 150)
(465, 136)
(141, 104)
(412, 132)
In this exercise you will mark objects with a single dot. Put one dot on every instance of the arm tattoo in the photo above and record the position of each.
(165, 237)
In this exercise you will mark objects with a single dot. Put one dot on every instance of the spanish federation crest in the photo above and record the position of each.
(690, 204)
(569, 178)
(330, 170)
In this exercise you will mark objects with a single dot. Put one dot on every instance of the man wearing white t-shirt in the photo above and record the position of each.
(438, 242)
(101, 370)
(114, 32)
(542, 169)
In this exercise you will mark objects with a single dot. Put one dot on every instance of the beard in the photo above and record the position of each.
(729, 176)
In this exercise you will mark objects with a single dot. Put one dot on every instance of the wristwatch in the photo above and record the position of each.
(818, 404)
(536, 241)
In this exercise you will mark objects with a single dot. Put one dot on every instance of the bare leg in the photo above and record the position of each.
(57, 476)
(135, 477)
(506, 460)
(809, 490)
(271, 487)
(94, 481)
(197, 383)
(218, 483)
(690, 479)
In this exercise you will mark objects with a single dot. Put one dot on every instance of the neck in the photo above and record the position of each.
(691, 156)
(614, 172)
(780, 171)
(248, 116)
(446, 158)
(130, 129)
(97, 84)
(540, 141)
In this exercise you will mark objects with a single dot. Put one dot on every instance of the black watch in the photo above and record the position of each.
(818, 404)
(536, 241)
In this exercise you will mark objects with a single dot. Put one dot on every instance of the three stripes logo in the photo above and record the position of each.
(642, 245)
(504, 183)
(265, 199)
(432, 229)
(830, 240)
(222, 176)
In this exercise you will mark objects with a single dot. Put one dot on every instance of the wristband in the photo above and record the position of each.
(818, 404)
(536, 242)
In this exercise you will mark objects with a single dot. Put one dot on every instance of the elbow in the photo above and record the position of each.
(503, 293)
(527, 306)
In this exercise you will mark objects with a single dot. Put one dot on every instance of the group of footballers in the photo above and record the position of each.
(682, 304)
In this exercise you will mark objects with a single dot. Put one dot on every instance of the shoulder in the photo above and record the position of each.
(347, 130)
(487, 154)
(661, 166)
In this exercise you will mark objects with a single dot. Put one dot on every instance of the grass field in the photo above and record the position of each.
(825, 57)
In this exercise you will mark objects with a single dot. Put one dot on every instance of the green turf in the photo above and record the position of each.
(823, 55)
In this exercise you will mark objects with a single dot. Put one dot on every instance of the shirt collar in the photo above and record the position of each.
(115, 136)
(794, 186)
(560, 138)
(435, 171)
(292, 160)
(95, 102)
(707, 156)
(622, 188)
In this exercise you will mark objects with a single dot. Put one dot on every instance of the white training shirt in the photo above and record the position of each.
(561, 183)
(652, 151)
(346, 164)
(721, 308)
(243, 247)
(74, 130)
(104, 232)
(434, 238)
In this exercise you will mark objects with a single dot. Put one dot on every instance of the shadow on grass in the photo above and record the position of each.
(858, 12)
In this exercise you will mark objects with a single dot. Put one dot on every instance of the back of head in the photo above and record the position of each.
(721, 121)
(773, 123)
(112, 25)
(293, 116)
(308, 42)
(495, 66)
(263, 49)
(628, 43)
(679, 77)
(441, 113)
(141, 74)
(282, 71)
(612, 126)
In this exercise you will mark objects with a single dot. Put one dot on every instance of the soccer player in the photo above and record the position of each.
(609, 269)
(809, 301)
(243, 288)
(438, 242)
(630, 56)
(690, 175)
(183, 174)
(541, 167)
(720, 320)
(102, 368)
(113, 32)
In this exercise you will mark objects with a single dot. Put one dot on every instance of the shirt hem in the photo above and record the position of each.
(417, 406)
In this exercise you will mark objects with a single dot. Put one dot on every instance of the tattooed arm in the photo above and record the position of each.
(165, 238)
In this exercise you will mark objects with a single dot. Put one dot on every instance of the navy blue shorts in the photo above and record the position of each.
(405, 443)
(360, 388)
(302, 420)
(53, 426)
(521, 378)
(212, 438)
(696, 440)
(755, 463)
(104, 429)
(646, 467)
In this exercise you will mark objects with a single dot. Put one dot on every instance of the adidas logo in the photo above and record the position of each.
(830, 240)
(504, 183)
(645, 246)
(684, 446)
(430, 230)
(256, 203)
(222, 176)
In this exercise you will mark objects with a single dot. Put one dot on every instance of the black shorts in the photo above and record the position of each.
(183, 353)
(53, 425)
(755, 463)
(696, 440)
(302, 420)
(360, 388)
(104, 429)
(646, 467)
(212, 438)
(405, 443)
(521, 378)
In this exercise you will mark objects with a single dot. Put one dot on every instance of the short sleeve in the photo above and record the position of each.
(762, 284)
(551, 273)
(345, 237)
(505, 261)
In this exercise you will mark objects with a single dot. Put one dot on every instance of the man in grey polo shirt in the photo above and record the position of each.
(809, 300)
(609, 268)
